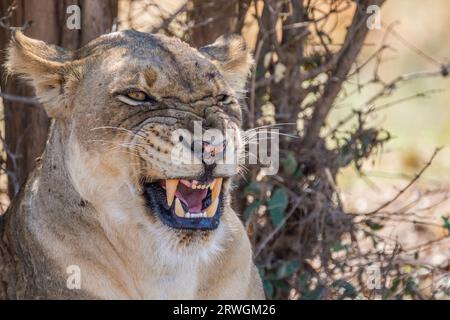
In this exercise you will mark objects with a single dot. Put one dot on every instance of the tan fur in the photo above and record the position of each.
(83, 205)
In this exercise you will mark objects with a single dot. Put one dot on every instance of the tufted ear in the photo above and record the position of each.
(47, 67)
(231, 55)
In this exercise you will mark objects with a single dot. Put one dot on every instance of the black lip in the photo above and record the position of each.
(155, 197)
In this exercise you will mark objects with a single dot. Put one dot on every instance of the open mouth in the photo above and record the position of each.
(186, 204)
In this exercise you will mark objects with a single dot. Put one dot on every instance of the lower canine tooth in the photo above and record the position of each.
(211, 210)
(179, 211)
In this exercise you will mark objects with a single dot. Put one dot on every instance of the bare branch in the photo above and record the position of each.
(28, 100)
(344, 61)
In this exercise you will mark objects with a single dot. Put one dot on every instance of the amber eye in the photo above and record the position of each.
(137, 95)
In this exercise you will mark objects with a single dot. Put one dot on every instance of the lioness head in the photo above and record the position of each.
(128, 104)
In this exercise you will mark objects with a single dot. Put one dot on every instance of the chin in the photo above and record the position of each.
(188, 217)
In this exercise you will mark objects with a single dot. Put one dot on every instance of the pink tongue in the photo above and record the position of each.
(193, 198)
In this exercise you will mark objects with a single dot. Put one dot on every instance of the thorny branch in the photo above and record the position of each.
(28, 100)
(413, 181)
(4, 20)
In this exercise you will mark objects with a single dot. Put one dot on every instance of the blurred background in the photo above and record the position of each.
(360, 206)
(419, 125)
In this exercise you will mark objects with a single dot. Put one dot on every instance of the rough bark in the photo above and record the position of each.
(211, 19)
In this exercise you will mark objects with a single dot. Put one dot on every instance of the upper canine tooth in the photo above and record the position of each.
(217, 186)
(171, 187)
(179, 211)
(211, 210)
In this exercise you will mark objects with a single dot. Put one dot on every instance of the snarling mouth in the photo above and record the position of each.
(186, 204)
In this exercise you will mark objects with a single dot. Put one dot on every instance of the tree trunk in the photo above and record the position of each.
(26, 125)
(211, 19)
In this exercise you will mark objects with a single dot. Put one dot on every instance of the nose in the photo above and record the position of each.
(211, 151)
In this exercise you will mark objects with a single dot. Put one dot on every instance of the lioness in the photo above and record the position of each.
(107, 203)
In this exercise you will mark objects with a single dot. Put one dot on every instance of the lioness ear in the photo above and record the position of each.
(45, 66)
(231, 55)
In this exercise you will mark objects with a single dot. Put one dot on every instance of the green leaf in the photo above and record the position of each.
(271, 276)
(277, 204)
(261, 271)
(446, 223)
(337, 246)
(314, 294)
(289, 163)
(298, 173)
(252, 188)
(393, 288)
(279, 284)
(349, 290)
(303, 281)
(373, 225)
(411, 286)
(287, 269)
(251, 208)
(268, 288)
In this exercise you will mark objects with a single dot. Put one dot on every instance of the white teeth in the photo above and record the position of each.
(194, 185)
(200, 186)
(179, 211)
(195, 215)
(192, 215)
